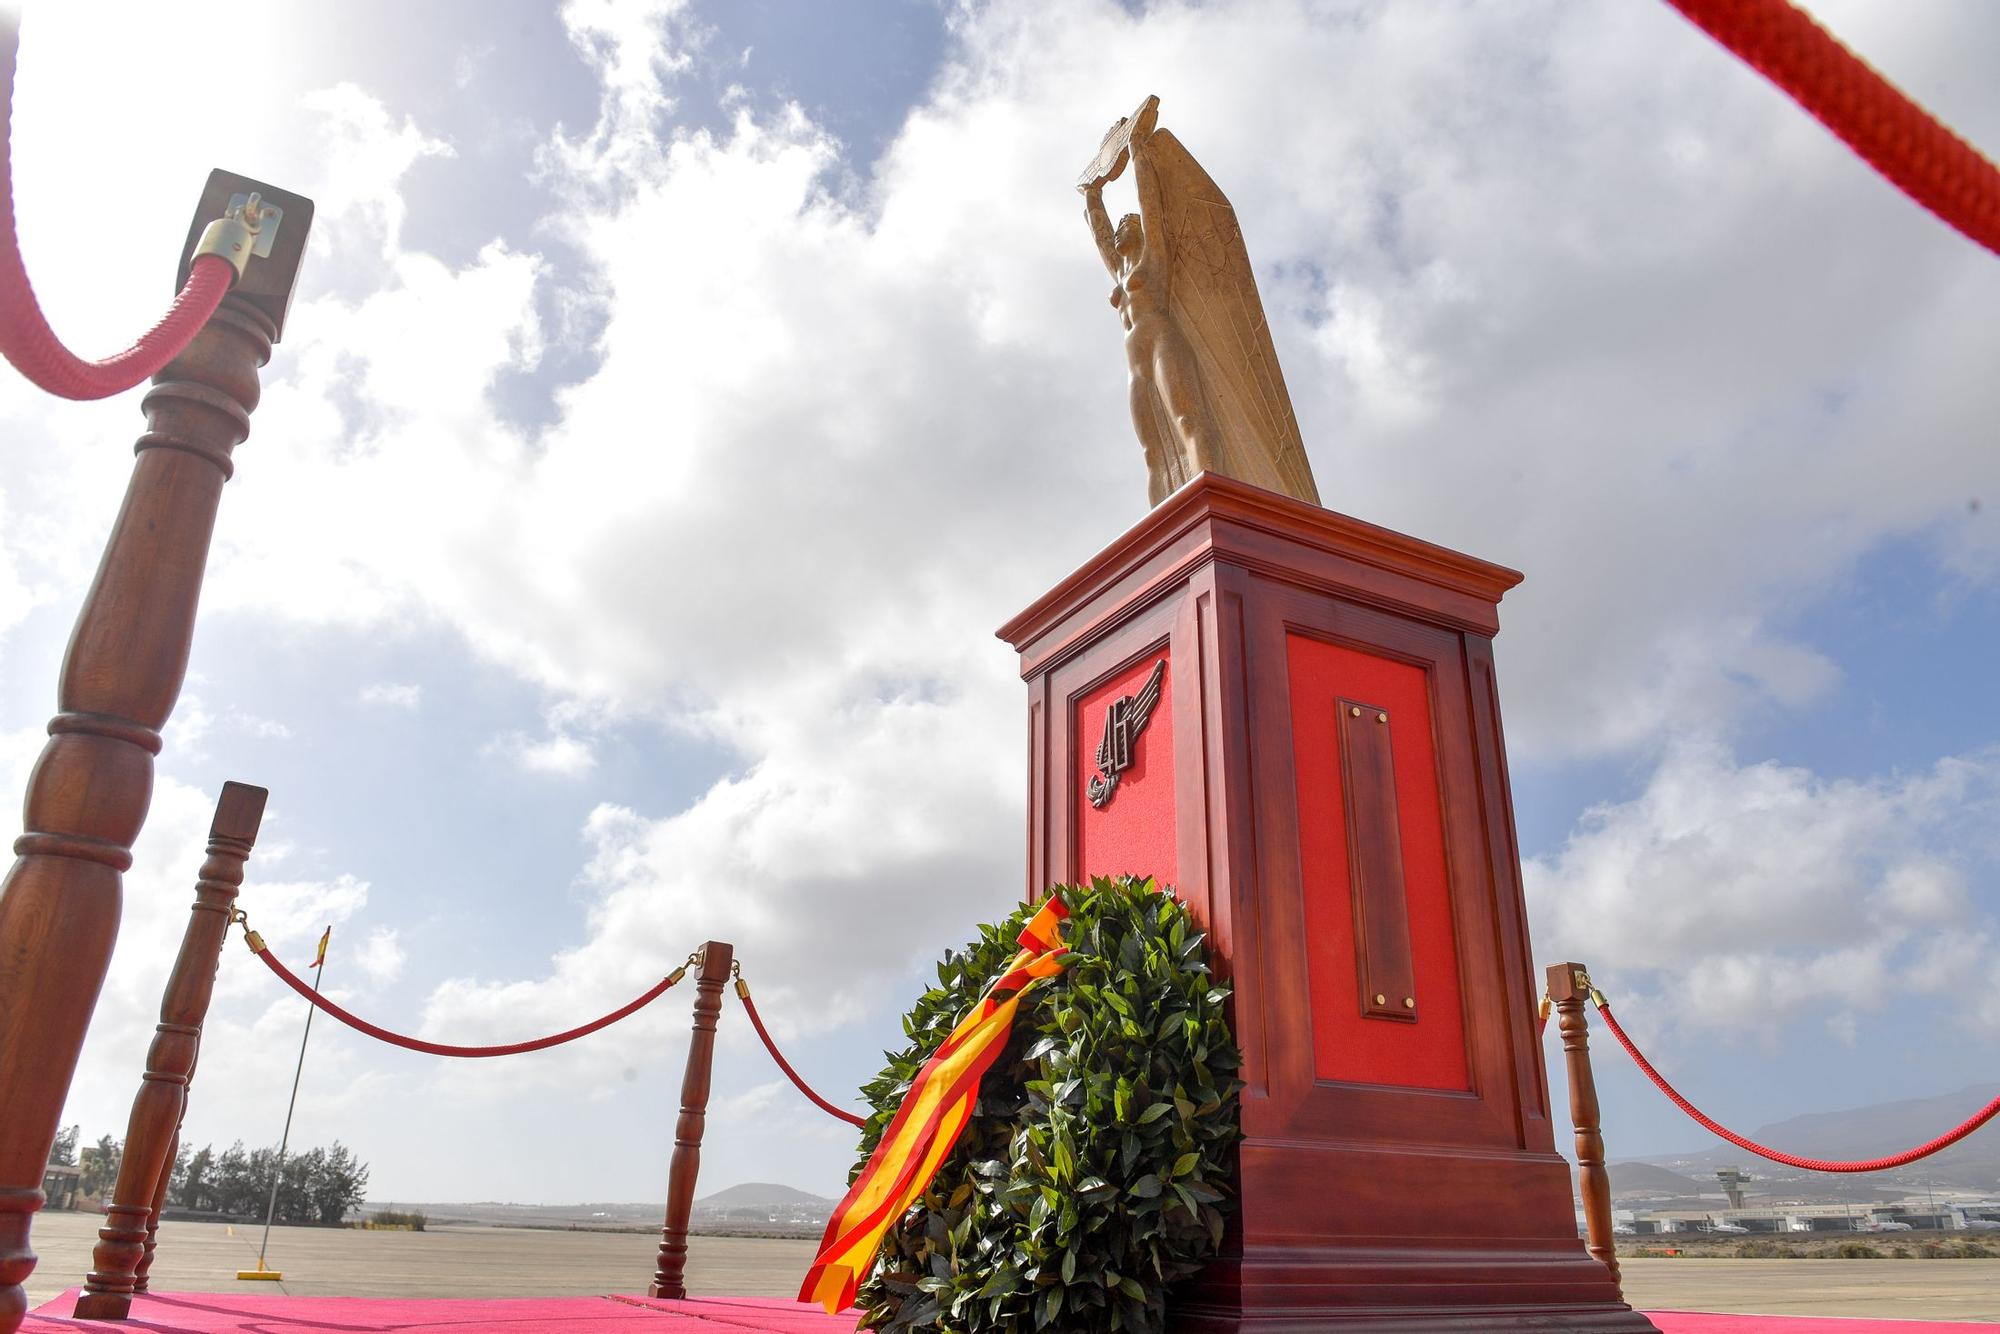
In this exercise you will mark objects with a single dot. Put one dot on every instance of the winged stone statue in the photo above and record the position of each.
(1206, 391)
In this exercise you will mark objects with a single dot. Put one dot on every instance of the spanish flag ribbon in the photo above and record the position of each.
(320, 957)
(933, 1114)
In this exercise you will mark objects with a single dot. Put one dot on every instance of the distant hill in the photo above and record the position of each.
(1637, 1178)
(1872, 1131)
(1885, 1127)
(760, 1195)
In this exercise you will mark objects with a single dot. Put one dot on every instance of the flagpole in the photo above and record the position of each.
(278, 1168)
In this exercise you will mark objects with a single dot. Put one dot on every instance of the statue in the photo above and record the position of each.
(1207, 394)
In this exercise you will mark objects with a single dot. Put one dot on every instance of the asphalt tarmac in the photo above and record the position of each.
(510, 1262)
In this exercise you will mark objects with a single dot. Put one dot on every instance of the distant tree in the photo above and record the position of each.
(64, 1152)
(340, 1183)
(99, 1164)
(234, 1187)
(189, 1186)
(314, 1186)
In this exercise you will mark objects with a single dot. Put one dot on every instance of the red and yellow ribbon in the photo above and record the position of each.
(928, 1124)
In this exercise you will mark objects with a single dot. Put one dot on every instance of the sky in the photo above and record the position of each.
(678, 395)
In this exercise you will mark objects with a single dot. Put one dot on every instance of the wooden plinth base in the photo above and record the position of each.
(1361, 1290)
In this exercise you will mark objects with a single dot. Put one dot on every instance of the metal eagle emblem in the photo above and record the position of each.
(1123, 722)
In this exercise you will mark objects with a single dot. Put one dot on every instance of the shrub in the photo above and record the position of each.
(1856, 1250)
(1095, 1168)
(392, 1218)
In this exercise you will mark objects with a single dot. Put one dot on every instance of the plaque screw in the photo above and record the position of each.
(1381, 999)
(1381, 717)
(1409, 1002)
(1355, 712)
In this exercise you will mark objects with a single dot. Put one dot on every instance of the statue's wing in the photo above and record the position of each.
(1213, 296)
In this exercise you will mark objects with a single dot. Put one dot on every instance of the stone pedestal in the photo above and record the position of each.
(1323, 781)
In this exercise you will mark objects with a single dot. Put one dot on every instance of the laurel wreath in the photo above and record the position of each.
(1094, 1171)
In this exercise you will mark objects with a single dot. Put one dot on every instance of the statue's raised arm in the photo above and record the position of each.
(1206, 391)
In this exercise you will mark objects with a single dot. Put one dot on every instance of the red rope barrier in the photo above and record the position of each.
(1902, 141)
(1904, 1158)
(25, 337)
(361, 1025)
(757, 1022)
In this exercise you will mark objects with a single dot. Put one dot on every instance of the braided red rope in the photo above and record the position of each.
(1920, 156)
(25, 336)
(1904, 1158)
(360, 1025)
(757, 1022)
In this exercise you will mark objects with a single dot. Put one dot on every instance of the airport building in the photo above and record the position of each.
(1917, 1214)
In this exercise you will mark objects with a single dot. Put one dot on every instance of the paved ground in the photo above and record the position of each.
(1884, 1289)
(505, 1262)
(443, 1262)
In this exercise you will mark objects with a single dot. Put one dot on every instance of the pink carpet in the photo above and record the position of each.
(272, 1313)
(269, 1313)
(1696, 1322)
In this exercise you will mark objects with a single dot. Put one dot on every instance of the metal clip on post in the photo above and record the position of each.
(247, 230)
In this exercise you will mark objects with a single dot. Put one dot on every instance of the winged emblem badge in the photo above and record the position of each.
(1123, 722)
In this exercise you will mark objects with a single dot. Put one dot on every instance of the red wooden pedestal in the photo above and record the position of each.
(1324, 783)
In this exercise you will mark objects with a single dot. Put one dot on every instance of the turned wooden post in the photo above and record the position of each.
(669, 1277)
(1569, 988)
(88, 794)
(154, 1129)
(143, 1271)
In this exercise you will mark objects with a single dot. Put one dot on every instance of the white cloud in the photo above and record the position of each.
(381, 955)
(188, 731)
(634, 47)
(17, 597)
(559, 753)
(188, 728)
(251, 724)
(367, 156)
(393, 695)
(1740, 896)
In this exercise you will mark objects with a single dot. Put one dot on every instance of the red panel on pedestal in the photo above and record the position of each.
(1133, 832)
(1348, 1045)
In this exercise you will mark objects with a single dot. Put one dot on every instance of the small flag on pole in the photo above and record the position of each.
(263, 1270)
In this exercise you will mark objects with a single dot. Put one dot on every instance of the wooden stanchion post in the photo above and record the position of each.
(143, 1272)
(153, 1133)
(88, 794)
(669, 1277)
(1569, 989)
